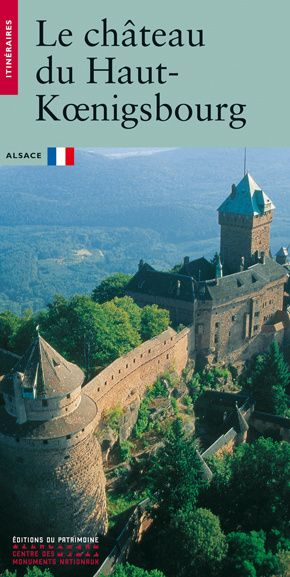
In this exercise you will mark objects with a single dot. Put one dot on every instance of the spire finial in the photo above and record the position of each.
(245, 161)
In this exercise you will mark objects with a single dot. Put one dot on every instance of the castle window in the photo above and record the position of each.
(105, 382)
(68, 396)
(134, 360)
(216, 338)
(141, 356)
(149, 351)
(68, 436)
(45, 403)
(234, 318)
(112, 377)
(127, 366)
(167, 356)
(256, 327)
(217, 324)
(119, 371)
(200, 329)
(164, 343)
(98, 389)
(257, 313)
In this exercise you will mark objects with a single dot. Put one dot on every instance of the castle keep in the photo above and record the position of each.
(234, 304)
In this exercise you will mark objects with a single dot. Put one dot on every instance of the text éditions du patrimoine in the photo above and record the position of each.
(107, 70)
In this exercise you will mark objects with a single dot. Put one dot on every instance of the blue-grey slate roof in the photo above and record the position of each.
(242, 283)
(247, 198)
(149, 281)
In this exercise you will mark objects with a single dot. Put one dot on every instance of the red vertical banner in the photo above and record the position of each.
(8, 47)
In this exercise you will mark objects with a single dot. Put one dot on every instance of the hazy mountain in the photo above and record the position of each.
(63, 229)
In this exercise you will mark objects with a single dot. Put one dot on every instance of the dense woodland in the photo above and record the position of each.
(89, 331)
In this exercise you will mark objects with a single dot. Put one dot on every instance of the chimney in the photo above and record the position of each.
(233, 193)
(263, 259)
(186, 261)
(141, 264)
(256, 256)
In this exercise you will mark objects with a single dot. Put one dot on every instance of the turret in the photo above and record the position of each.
(282, 256)
(218, 268)
(52, 475)
(206, 472)
(239, 423)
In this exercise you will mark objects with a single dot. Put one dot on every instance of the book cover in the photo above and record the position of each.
(144, 289)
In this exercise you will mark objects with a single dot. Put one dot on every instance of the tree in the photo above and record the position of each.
(111, 287)
(30, 572)
(254, 494)
(175, 475)
(27, 332)
(88, 333)
(201, 544)
(133, 571)
(248, 557)
(134, 311)
(269, 381)
(153, 321)
(9, 325)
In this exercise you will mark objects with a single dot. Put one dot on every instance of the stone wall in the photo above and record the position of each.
(45, 492)
(233, 330)
(129, 376)
(271, 425)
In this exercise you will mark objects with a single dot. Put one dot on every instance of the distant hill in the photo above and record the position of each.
(64, 229)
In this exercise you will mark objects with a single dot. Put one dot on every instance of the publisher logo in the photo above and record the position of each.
(9, 47)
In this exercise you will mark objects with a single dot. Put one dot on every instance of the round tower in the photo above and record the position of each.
(52, 481)
(245, 217)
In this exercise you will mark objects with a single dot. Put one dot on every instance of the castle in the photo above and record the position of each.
(234, 304)
(52, 478)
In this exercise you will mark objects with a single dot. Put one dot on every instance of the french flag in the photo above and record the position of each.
(60, 156)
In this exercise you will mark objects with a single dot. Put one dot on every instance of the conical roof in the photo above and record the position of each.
(247, 198)
(283, 251)
(46, 372)
(206, 472)
(238, 421)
